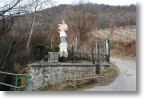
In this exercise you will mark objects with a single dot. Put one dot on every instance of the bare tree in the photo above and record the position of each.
(6, 22)
(9, 39)
(6, 17)
(36, 6)
(82, 20)
(8, 43)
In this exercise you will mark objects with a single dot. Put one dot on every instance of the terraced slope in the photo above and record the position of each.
(123, 34)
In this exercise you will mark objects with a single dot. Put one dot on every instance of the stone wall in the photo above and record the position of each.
(44, 75)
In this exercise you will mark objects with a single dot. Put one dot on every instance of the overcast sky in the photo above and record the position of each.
(109, 2)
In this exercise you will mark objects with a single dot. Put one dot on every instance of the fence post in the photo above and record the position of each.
(98, 60)
(107, 45)
(109, 50)
(93, 59)
(16, 82)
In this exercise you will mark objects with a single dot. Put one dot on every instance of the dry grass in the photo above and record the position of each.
(123, 48)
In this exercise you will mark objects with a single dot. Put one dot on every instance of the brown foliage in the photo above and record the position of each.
(124, 48)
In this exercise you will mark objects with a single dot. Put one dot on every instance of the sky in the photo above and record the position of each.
(109, 2)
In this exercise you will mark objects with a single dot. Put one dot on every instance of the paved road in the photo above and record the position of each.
(126, 80)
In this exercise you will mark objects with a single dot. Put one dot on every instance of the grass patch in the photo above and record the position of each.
(108, 75)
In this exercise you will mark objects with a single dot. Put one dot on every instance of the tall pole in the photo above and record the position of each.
(107, 45)
(93, 59)
(98, 60)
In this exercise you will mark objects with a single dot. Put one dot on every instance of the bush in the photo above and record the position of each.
(124, 48)
(40, 51)
(53, 49)
(62, 59)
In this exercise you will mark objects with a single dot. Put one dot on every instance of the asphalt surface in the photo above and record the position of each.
(126, 80)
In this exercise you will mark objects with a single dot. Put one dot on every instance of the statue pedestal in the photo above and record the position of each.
(53, 56)
(63, 50)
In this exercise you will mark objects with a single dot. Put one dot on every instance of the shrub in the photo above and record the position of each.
(52, 49)
(62, 59)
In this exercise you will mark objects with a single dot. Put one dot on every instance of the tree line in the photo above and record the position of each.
(23, 27)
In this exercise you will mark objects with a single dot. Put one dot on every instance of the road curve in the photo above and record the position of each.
(126, 80)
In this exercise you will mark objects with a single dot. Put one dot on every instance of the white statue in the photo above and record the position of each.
(63, 45)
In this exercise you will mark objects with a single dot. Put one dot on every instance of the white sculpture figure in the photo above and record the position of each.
(63, 45)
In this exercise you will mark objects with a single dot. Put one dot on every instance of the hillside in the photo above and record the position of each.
(82, 20)
(103, 15)
(121, 34)
(28, 33)
(123, 40)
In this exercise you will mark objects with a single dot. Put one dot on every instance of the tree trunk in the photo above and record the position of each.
(7, 55)
(31, 32)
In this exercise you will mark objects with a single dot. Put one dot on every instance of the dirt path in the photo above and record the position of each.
(126, 80)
